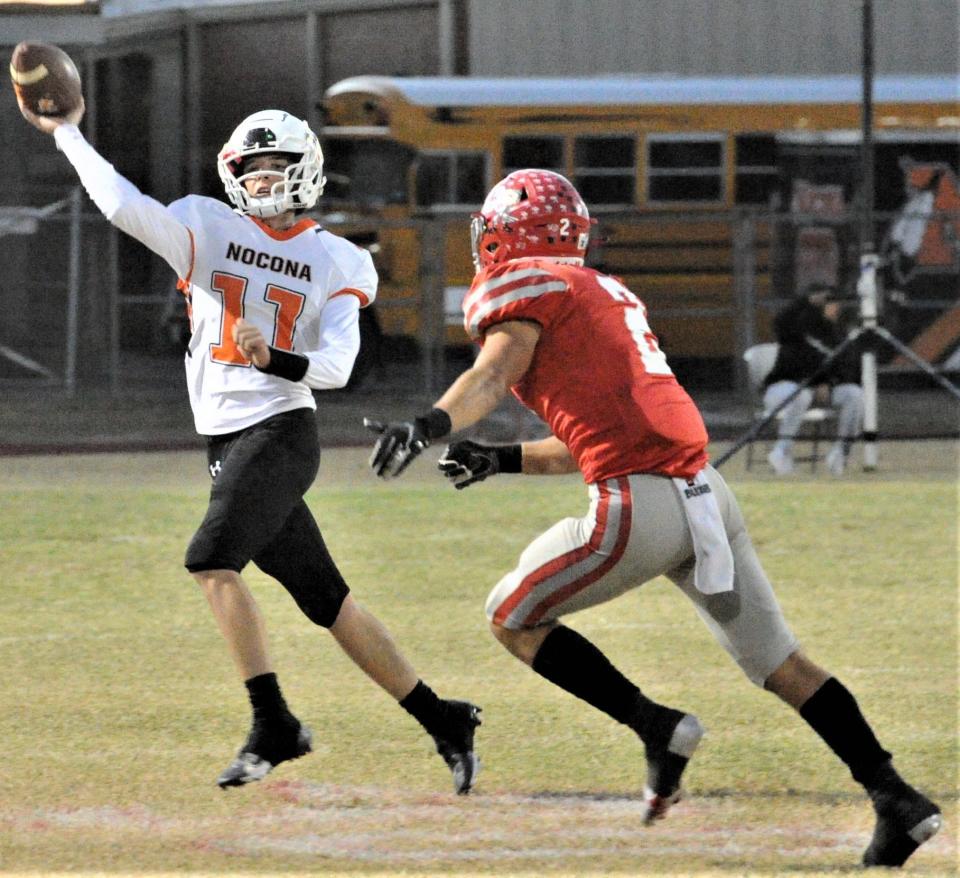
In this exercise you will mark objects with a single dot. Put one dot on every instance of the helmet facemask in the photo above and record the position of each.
(482, 245)
(273, 132)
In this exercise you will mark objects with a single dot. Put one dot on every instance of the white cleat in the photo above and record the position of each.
(781, 461)
(836, 460)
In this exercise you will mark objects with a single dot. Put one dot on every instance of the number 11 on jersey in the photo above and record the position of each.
(232, 288)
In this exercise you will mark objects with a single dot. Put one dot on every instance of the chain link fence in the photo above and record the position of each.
(87, 308)
(59, 288)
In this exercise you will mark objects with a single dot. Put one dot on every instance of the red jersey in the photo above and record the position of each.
(598, 377)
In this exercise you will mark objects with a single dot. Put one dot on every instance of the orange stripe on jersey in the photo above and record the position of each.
(352, 291)
(183, 283)
(286, 234)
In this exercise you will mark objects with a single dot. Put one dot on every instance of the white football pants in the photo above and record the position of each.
(635, 530)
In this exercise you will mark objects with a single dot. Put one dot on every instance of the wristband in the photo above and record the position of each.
(510, 458)
(285, 364)
(435, 424)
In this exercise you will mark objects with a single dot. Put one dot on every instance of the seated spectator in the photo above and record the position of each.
(808, 330)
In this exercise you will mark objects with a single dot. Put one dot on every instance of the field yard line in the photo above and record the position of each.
(499, 829)
(460, 873)
(67, 635)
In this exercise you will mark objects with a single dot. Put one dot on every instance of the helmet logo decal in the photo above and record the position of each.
(259, 138)
(501, 198)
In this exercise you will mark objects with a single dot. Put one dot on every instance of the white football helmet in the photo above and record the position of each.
(273, 132)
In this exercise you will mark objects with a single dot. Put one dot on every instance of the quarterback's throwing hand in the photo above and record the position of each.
(399, 443)
(466, 462)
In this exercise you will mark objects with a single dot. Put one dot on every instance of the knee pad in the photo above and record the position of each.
(318, 588)
(321, 605)
(202, 555)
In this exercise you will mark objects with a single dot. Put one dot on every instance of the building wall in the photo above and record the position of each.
(250, 64)
(708, 37)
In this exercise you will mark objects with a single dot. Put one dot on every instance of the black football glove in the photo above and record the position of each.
(401, 441)
(464, 463)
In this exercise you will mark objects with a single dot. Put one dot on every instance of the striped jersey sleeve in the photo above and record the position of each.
(353, 274)
(516, 290)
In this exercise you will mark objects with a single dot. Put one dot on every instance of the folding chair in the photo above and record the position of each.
(817, 420)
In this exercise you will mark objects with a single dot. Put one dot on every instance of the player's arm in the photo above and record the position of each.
(328, 367)
(546, 457)
(119, 200)
(504, 359)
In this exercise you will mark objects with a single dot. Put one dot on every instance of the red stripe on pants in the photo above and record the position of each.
(574, 556)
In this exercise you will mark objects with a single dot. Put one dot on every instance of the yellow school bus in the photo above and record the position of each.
(667, 165)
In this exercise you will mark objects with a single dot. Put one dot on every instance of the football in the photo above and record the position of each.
(45, 79)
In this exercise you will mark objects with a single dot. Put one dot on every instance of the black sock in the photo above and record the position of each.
(573, 663)
(833, 714)
(423, 704)
(267, 700)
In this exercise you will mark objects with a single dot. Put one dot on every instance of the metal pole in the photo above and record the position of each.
(73, 291)
(193, 63)
(918, 361)
(433, 235)
(867, 282)
(113, 298)
(90, 97)
(447, 38)
(866, 142)
(312, 72)
(744, 283)
(867, 291)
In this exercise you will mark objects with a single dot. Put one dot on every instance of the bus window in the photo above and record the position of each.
(604, 169)
(451, 178)
(367, 173)
(685, 168)
(533, 152)
(758, 176)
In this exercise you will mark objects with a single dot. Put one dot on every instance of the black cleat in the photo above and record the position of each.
(665, 767)
(905, 820)
(456, 746)
(265, 748)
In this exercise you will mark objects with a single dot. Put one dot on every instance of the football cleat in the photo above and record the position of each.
(264, 750)
(665, 767)
(905, 820)
(456, 747)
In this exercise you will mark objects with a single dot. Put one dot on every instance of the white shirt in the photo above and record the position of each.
(302, 288)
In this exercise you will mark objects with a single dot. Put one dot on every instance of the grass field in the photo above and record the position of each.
(120, 705)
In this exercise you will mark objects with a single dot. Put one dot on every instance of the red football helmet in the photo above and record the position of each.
(530, 213)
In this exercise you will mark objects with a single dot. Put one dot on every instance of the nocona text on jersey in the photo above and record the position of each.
(249, 256)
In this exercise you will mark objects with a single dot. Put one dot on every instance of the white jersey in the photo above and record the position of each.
(279, 281)
(302, 288)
